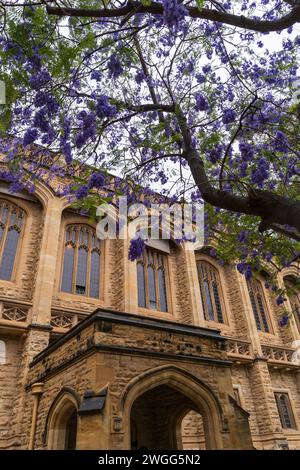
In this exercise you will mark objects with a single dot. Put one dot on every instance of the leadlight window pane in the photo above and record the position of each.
(258, 305)
(2, 352)
(9, 254)
(217, 302)
(255, 311)
(81, 270)
(262, 313)
(285, 411)
(151, 289)
(210, 292)
(208, 301)
(11, 221)
(152, 280)
(68, 269)
(95, 274)
(162, 290)
(141, 285)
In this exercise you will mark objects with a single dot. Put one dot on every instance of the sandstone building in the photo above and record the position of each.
(173, 351)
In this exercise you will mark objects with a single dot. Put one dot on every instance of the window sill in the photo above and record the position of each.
(79, 298)
(215, 324)
(267, 335)
(155, 313)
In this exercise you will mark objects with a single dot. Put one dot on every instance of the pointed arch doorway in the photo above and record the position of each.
(156, 403)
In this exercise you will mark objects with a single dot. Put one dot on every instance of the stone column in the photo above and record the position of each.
(270, 431)
(36, 391)
(193, 286)
(130, 282)
(45, 276)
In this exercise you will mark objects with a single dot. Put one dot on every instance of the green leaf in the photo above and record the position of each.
(200, 4)
(146, 3)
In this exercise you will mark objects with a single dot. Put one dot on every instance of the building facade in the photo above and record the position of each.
(171, 351)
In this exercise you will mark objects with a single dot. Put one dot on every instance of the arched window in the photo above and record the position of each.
(210, 289)
(11, 222)
(294, 296)
(285, 410)
(258, 303)
(2, 352)
(82, 261)
(152, 280)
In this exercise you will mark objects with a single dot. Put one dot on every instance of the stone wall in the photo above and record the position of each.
(9, 374)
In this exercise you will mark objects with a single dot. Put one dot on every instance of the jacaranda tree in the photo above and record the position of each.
(197, 98)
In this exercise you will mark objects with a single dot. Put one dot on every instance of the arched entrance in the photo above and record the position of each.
(158, 420)
(155, 404)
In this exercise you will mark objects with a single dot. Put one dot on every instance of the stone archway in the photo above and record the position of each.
(61, 426)
(153, 402)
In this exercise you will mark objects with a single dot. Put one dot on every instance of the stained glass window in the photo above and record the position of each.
(210, 290)
(152, 280)
(11, 223)
(82, 261)
(258, 303)
(285, 410)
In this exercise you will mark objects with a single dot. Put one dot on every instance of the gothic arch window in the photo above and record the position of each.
(211, 293)
(285, 410)
(258, 303)
(2, 352)
(294, 296)
(11, 223)
(82, 261)
(152, 280)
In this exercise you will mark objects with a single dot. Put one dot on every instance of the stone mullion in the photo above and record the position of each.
(292, 322)
(267, 417)
(45, 277)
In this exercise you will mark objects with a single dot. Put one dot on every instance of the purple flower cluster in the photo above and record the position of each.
(280, 300)
(283, 320)
(139, 77)
(104, 109)
(40, 79)
(114, 66)
(261, 173)
(96, 75)
(87, 128)
(247, 151)
(174, 14)
(229, 116)
(243, 236)
(136, 248)
(96, 180)
(201, 102)
(30, 136)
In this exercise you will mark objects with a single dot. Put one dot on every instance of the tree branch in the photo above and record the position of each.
(137, 8)
(275, 211)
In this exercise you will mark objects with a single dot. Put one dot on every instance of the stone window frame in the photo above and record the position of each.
(292, 406)
(289, 278)
(222, 291)
(143, 260)
(24, 211)
(3, 352)
(69, 218)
